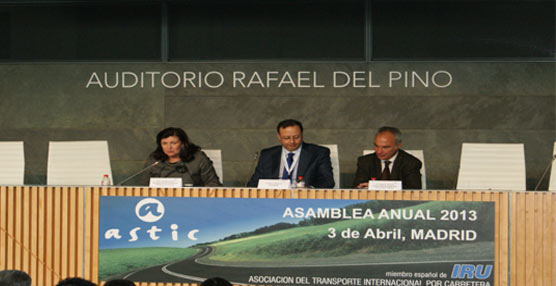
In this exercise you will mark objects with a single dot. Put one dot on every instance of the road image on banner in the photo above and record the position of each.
(297, 241)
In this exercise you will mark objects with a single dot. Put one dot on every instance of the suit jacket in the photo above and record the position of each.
(198, 171)
(406, 168)
(314, 165)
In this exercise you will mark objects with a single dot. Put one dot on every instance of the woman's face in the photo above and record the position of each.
(171, 146)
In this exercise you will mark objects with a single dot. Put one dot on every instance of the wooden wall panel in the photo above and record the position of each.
(52, 232)
(533, 239)
(39, 232)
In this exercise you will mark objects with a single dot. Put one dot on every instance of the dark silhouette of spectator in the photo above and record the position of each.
(119, 282)
(75, 281)
(216, 281)
(14, 278)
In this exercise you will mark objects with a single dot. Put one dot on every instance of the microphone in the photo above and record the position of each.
(545, 172)
(140, 172)
(253, 164)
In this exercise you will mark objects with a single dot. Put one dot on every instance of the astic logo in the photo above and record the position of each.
(149, 210)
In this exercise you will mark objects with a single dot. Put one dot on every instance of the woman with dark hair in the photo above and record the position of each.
(177, 157)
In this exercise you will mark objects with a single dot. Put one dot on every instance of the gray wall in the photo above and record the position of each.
(486, 102)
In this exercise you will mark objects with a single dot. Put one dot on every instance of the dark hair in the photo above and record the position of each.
(75, 281)
(288, 123)
(14, 278)
(119, 282)
(397, 133)
(186, 154)
(216, 281)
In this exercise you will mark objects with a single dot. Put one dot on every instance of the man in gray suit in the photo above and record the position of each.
(389, 162)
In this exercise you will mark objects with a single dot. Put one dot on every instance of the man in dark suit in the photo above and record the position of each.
(294, 158)
(388, 162)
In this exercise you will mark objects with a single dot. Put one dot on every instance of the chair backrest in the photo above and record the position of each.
(334, 158)
(78, 163)
(419, 155)
(552, 183)
(492, 166)
(12, 169)
(215, 155)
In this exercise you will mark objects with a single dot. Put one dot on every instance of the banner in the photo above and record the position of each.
(297, 241)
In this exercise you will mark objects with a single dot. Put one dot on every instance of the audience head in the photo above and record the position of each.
(75, 281)
(14, 278)
(290, 134)
(388, 140)
(119, 282)
(172, 142)
(216, 281)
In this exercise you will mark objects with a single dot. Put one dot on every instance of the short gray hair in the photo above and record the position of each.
(397, 133)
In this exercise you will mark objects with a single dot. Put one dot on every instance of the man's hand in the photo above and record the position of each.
(364, 185)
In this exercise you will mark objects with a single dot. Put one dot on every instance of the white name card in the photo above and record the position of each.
(165, 183)
(274, 184)
(375, 185)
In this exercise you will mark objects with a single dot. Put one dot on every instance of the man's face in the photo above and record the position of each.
(290, 137)
(385, 145)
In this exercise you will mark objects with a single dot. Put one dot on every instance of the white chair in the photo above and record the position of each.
(78, 163)
(552, 183)
(334, 158)
(12, 169)
(215, 155)
(419, 155)
(492, 166)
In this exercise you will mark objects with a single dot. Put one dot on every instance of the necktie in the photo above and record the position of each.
(289, 161)
(386, 172)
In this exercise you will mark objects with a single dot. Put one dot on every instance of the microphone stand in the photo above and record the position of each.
(545, 172)
(140, 172)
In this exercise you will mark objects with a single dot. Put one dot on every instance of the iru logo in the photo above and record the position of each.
(149, 210)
